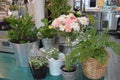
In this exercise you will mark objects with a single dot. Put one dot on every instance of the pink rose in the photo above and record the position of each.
(68, 28)
(56, 23)
(72, 16)
(68, 21)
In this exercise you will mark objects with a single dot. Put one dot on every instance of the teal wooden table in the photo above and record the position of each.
(10, 71)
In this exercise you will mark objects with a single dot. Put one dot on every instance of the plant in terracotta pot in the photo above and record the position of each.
(38, 66)
(21, 36)
(91, 51)
(55, 61)
(46, 33)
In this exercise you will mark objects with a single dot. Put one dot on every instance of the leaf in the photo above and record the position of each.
(45, 21)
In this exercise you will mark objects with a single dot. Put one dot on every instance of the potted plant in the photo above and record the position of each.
(38, 66)
(91, 51)
(55, 61)
(70, 69)
(70, 27)
(21, 35)
(47, 34)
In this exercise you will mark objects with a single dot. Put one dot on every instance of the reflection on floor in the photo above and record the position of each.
(9, 70)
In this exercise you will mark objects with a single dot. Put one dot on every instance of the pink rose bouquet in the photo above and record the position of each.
(70, 25)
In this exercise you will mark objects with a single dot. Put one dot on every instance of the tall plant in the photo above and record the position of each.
(57, 7)
(70, 60)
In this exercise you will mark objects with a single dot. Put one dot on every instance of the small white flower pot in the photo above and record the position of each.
(54, 65)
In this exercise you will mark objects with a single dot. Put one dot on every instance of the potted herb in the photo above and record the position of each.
(91, 51)
(55, 61)
(38, 67)
(22, 35)
(69, 69)
(46, 33)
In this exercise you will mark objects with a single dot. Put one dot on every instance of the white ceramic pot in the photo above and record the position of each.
(54, 65)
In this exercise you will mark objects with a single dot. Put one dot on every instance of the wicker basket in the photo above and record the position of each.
(92, 68)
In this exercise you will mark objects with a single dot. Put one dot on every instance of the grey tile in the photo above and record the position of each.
(113, 72)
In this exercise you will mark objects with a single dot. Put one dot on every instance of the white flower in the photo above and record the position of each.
(75, 26)
(61, 28)
(89, 35)
(82, 33)
(83, 20)
(62, 18)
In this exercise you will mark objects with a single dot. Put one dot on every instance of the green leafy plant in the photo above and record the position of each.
(54, 53)
(70, 60)
(38, 61)
(57, 7)
(23, 29)
(46, 31)
(93, 45)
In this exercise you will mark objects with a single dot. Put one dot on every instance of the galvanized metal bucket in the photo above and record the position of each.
(48, 43)
(21, 52)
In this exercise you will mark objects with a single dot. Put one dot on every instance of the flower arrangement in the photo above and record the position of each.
(70, 25)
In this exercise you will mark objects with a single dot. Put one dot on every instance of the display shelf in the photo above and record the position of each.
(9, 70)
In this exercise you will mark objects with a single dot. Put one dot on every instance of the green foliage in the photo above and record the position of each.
(77, 13)
(14, 7)
(53, 53)
(57, 7)
(23, 29)
(38, 61)
(91, 19)
(93, 45)
(74, 57)
(46, 31)
(3, 0)
(70, 60)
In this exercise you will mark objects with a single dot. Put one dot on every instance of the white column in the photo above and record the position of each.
(39, 12)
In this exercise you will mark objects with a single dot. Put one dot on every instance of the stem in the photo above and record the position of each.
(67, 62)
